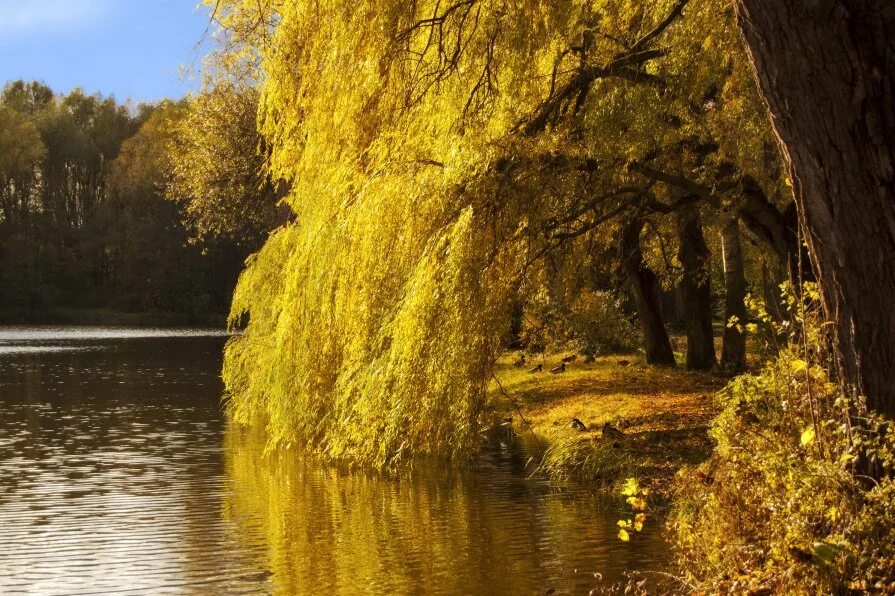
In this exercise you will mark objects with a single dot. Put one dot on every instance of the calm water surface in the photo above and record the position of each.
(119, 473)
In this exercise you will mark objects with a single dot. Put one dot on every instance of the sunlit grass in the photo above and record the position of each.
(663, 412)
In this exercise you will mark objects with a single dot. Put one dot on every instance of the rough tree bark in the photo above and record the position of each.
(827, 71)
(645, 285)
(733, 351)
(696, 290)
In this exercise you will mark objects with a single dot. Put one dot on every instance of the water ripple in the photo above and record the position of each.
(118, 474)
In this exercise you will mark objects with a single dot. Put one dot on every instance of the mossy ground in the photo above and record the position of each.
(664, 412)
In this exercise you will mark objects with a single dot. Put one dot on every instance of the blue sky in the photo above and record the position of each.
(126, 48)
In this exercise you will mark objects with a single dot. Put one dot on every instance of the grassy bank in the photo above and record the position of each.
(663, 414)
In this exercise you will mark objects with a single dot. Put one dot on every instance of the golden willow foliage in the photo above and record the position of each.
(376, 316)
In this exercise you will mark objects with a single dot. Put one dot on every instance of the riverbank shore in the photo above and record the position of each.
(111, 317)
(662, 413)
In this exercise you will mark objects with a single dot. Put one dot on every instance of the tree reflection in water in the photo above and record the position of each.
(485, 528)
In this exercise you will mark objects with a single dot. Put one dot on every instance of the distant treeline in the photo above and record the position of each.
(94, 216)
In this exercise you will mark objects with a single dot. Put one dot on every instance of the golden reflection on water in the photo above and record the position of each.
(488, 530)
(118, 474)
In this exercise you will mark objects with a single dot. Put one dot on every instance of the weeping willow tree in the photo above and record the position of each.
(376, 316)
(434, 153)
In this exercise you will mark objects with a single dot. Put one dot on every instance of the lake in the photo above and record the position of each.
(120, 473)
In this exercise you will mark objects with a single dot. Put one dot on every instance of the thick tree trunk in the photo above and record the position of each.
(827, 71)
(733, 351)
(696, 290)
(645, 286)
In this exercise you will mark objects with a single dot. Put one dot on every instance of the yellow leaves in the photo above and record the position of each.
(630, 487)
(20, 143)
(811, 291)
(348, 316)
(637, 503)
(376, 318)
(817, 372)
(638, 521)
(628, 526)
(798, 366)
(833, 514)
(807, 436)
(636, 499)
(825, 551)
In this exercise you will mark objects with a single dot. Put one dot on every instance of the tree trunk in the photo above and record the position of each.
(776, 229)
(733, 351)
(770, 290)
(827, 71)
(696, 289)
(645, 286)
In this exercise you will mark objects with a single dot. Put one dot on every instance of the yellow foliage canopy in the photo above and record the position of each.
(376, 316)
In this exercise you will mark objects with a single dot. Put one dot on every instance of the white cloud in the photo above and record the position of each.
(27, 16)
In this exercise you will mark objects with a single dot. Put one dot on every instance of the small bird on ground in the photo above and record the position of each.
(559, 369)
(571, 358)
(611, 432)
(536, 369)
(624, 362)
(577, 424)
(589, 359)
(520, 361)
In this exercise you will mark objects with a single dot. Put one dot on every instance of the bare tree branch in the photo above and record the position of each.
(677, 181)
(623, 65)
(660, 28)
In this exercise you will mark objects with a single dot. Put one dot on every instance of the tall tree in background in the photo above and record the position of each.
(696, 290)
(733, 351)
(644, 285)
(85, 220)
(827, 70)
(218, 171)
(21, 149)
